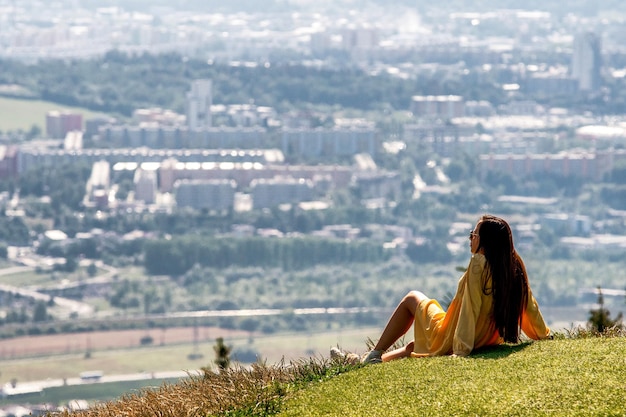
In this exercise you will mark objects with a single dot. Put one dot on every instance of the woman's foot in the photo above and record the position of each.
(374, 356)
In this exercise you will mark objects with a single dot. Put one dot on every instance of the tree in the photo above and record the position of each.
(41, 312)
(222, 354)
(456, 170)
(92, 269)
(430, 251)
(34, 132)
(600, 320)
(618, 174)
(14, 231)
(70, 264)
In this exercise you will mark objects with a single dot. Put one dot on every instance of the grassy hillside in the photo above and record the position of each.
(567, 377)
(570, 376)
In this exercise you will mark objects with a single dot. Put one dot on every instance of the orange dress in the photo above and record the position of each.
(468, 323)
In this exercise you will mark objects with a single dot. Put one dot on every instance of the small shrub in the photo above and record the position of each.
(600, 318)
(222, 354)
(146, 340)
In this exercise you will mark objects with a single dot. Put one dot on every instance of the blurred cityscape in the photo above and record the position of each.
(208, 156)
(560, 113)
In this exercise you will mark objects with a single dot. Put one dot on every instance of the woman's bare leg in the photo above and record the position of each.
(403, 352)
(400, 321)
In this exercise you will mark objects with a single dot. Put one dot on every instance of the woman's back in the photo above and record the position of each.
(468, 323)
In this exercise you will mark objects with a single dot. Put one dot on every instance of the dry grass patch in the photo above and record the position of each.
(258, 390)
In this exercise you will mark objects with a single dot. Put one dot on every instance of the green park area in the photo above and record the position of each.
(23, 114)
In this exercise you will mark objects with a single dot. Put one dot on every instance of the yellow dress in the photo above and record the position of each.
(468, 323)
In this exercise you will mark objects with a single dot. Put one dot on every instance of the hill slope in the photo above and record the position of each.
(565, 377)
(573, 377)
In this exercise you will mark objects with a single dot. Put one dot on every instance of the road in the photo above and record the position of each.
(37, 386)
(71, 306)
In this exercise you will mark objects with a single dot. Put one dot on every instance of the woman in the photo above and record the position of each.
(493, 301)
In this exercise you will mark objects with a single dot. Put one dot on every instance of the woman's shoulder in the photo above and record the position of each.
(478, 258)
(477, 263)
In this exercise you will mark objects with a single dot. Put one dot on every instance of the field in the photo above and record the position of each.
(64, 356)
(20, 114)
(100, 392)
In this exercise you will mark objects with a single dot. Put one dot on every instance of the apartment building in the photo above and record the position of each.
(198, 105)
(60, 122)
(218, 195)
(244, 173)
(335, 142)
(588, 165)
(378, 185)
(268, 193)
(438, 107)
(99, 184)
(49, 153)
(8, 161)
(73, 141)
(145, 182)
(159, 136)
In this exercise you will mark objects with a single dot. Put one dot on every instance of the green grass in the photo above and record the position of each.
(46, 278)
(22, 114)
(579, 377)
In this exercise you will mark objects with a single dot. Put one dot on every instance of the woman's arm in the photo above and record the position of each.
(470, 294)
(533, 324)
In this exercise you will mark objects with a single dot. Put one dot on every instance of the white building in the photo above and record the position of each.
(587, 61)
(145, 185)
(199, 101)
(567, 224)
(73, 141)
(98, 183)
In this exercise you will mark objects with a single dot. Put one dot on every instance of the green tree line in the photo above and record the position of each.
(117, 84)
(178, 255)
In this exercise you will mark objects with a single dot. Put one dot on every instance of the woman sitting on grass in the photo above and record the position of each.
(493, 301)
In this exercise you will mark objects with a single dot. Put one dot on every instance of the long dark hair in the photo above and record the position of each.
(509, 282)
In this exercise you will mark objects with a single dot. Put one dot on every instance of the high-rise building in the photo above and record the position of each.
(8, 161)
(59, 123)
(98, 184)
(587, 61)
(73, 141)
(145, 185)
(199, 101)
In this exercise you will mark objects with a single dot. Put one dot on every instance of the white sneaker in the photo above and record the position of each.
(374, 356)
